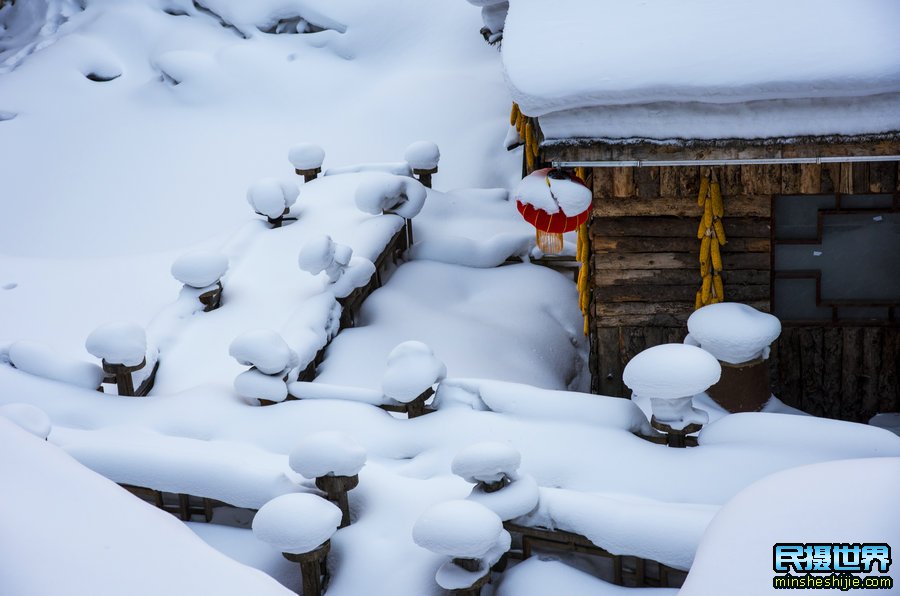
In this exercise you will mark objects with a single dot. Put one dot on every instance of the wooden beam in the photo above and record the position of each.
(682, 206)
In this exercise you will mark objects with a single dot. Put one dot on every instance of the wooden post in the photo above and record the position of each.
(308, 175)
(312, 570)
(212, 299)
(416, 407)
(121, 375)
(424, 176)
(336, 489)
(675, 437)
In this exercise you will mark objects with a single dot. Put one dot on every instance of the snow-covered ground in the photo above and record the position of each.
(107, 183)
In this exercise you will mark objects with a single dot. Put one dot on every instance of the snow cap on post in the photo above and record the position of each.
(733, 332)
(200, 268)
(328, 453)
(459, 529)
(412, 369)
(486, 462)
(118, 343)
(386, 193)
(270, 196)
(253, 385)
(265, 350)
(296, 523)
(306, 156)
(28, 417)
(670, 371)
(318, 254)
(422, 155)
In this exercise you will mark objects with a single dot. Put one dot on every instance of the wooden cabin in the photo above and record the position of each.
(801, 128)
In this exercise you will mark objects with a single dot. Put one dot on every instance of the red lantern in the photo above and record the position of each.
(547, 188)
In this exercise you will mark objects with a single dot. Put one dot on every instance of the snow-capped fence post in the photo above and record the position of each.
(307, 160)
(471, 535)
(272, 199)
(411, 374)
(388, 193)
(334, 460)
(739, 337)
(300, 525)
(202, 270)
(670, 375)
(423, 158)
(122, 349)
(270, 361)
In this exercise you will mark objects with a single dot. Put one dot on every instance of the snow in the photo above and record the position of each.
(103, 540)
(297, 523)
(270, 196)
(200, 269)
(539, 575)
(327, 453)
(308, 390)
(888, 421)
(254, 385)
(388, 193)
(459, 529)
(412, 368)
(28, 417)
(516, 499)
(542, 191)
(320, 253)
(671, 371)
(451, 576)
(727, 54)
(306, 156)
(422, 155)
(486, 462)
(37, 359)
(733, 332)
(118, 343)
(493, 16)
(264, 349)
(804, 504)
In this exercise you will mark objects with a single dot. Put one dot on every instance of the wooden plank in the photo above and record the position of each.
(662, 227)
(790, 367)
(645, 320)
(811, 369)
(677, 260)
(889, 375)
(860, 178)
(750, 176)
(810, 179)
(832, 357)
(830, 178)
(790, 179)
(676, 277)
(675, 293)
(668, 182)
(610, 365)
(623, 182)
(603, 183)
(770, 179)
(735, 206)
(688, 181)
(730, 181)
(602, 245)
(646, 181)
(873, 340)
(845, 184)
(882, 177)
(851, 362)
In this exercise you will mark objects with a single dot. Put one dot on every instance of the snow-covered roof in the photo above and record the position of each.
(675, 59)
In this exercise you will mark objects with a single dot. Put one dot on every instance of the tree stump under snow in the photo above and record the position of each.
(212, 299)
(313, 571)
(336, 489)
(308, 175)
(743, 387)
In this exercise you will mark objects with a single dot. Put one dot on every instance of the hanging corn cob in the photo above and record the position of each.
(526, 133)
(711, 234)
(584, 289)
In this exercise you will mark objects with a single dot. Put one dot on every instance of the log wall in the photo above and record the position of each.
(645, 274)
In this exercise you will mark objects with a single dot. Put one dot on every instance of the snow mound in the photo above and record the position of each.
(253, 384)
(386, 193)
(321, 253)
(671, 371)
(118, 343)
(516, 499)
(537, 576)
(328, 453)
(542, 191)
(265, 350)
(200, 268)
(412, 368)
(296, 523)
(451, 576)
(733, 332)
(460, 529)
(422, 155)
(37, 359)
(28, 417)
(779, 505)
(486, 462)
(270, 196)
(306, 156)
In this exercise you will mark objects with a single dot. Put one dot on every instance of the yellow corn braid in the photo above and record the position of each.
(514, 114)
(711, 234)
(584, 288)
